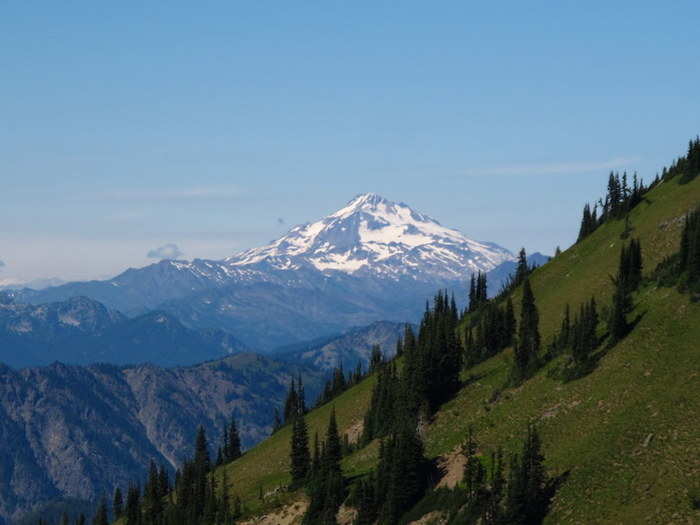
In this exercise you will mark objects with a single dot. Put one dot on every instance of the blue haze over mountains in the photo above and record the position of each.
(373, 260)
(319, 297)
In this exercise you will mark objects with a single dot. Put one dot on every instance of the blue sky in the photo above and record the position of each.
(215, 126)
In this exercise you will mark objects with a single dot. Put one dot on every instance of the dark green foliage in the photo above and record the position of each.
(101, 516)
(367, 501)
(689, 256)
(401, 473)
(477, 291)
(133, 504)
(486, 496)
(628, 279)
(339, 382)
(377, 358)
(295, 403)
(433, 361)
(526, 497)
(118, 503)
(326, 485)
(683, 267)
(522, 270)
(528, 345)
(583, 336)
(230, 449)
(619, 200)
(474, 474)
(589, 223)
(379, 417)
(488, 331)
(300, 458)
(580, 337)
(687, 167)
(195, 498)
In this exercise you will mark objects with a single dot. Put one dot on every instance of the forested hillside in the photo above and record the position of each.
(569, 398)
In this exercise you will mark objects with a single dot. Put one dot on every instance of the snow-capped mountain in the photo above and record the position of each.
(371, 260)
(377, 236)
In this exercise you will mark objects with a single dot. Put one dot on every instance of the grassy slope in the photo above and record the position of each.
(594, 427)
(267, 464)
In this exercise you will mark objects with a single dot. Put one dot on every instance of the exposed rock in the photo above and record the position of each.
(71, 431)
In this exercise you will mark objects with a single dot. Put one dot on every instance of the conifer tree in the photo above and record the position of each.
(474, 474)
(327, 487)
(299, 452)
(376, 358)
(133, 502)
(101, 516)
(118, 503)
(528, 345)
(629, 276)
(232, 444)
(522, 270)
(201, 453)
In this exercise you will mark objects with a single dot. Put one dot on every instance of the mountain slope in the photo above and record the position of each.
(82, 331)
(372, 260)
(77, 432)
(347, 349)
(625, 433)
(372, 235)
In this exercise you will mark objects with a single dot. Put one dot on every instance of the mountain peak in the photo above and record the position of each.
(374, 235)
(363, 202)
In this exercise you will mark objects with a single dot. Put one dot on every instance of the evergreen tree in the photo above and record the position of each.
(299, 452)
(376, 358)
(327, 486)
(101, 516)
(629, 276)
(526, 498)
(133, 502)
(367, 512)
(522, 269)
(201, 452)
(474, 475)
(118, 503)
(232, 443)
(152, 495)
(528, 345)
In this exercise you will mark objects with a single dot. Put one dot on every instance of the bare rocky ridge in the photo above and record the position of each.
(72, 431)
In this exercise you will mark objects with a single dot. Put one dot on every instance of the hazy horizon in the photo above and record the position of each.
(215, 129)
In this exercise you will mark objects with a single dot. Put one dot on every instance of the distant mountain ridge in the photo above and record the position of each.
(346, 349)
(371, 260)
(80, 330)
(77, 432)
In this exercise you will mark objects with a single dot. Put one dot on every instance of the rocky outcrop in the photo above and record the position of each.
(78, 432)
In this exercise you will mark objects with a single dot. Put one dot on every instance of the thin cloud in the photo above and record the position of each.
(167, 251)
(2, 264)
(170, 194)
(555, 168)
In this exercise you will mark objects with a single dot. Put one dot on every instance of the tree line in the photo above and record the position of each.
(194, 497)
